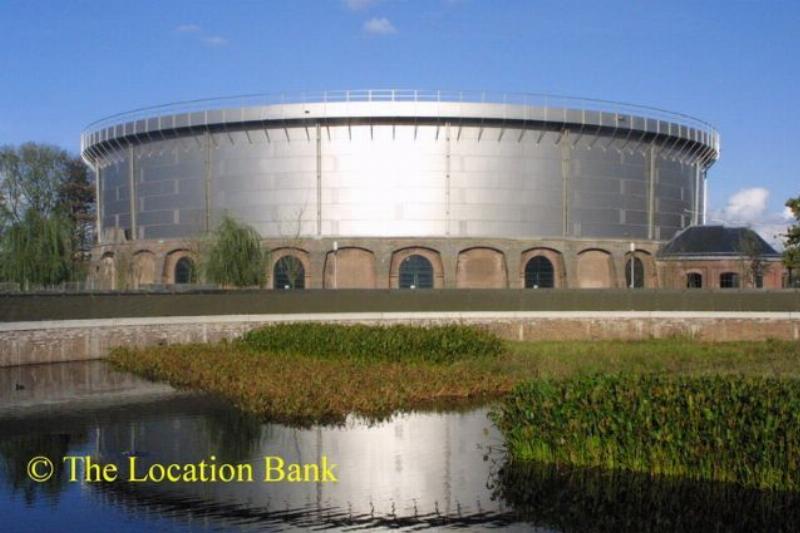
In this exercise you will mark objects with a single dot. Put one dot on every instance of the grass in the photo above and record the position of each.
(741, 429)
(440, 344)
(282, 384)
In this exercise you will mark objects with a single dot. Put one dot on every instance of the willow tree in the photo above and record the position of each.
(46, 215)
(37, 250)
(233, 255)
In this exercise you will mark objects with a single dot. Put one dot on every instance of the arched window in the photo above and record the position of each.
(539, 273)
(637, 272)
(184, 271)
(694, 280)
(729, 280)
(289, 273)
(416, 272)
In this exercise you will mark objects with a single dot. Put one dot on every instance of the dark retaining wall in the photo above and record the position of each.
(42, 306)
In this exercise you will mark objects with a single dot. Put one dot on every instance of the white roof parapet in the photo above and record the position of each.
(400, 103)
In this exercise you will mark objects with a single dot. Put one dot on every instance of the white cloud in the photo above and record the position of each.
(198, 33)
(215, 40)
(357, 5)
(748, 207)
(379, 26)
(188, 28)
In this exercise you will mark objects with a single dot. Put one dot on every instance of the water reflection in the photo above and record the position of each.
(570, 499)
(414, 471)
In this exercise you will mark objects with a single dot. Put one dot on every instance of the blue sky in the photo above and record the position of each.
(733, 63)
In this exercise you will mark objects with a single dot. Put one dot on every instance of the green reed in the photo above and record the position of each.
(737, 429)
(438, 344)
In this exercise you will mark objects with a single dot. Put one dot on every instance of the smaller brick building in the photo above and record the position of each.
(719, 257)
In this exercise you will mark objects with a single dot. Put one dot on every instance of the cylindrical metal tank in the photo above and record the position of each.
(392, 163)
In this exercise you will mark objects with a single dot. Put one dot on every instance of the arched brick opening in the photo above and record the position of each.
(298, 253)
(350, 268)
(556, 259)
(595, 269)
(695, 279)
(648, 264)
(144, 268)
(107, 272)
(171, 261)
(481, 268)
(398, 256)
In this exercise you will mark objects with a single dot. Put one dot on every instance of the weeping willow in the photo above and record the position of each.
(38, 251)
(234, 256)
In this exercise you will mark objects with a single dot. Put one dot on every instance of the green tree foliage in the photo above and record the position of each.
(791, 250)
(754, 264)
(46, 214)
(234, 256)
(38, 250)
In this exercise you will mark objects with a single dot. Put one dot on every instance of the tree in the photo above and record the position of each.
(234, 256)
(46, 209)
(37, 250)
(791, 243)
(753, 257)
(76, 200)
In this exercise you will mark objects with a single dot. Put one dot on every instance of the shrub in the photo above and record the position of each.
(726, 428)
(394, 343)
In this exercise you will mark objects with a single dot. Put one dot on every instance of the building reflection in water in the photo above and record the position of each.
(422, 464)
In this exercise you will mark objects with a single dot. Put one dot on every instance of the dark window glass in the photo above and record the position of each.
(729, 280)
(289, 273)
(760, 281)
(694, 280)
(184, 271)
(638, 273)
(539, 273)
(416, 272)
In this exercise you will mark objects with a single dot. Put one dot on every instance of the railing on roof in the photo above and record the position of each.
(539, 100)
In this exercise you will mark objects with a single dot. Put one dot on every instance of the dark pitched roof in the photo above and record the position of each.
(714, 241)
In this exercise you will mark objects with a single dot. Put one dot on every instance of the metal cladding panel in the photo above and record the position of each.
(268, 183)
(170, 179)
(115, 191)
(383, 180)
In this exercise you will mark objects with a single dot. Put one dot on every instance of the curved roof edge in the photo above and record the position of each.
(582, 113)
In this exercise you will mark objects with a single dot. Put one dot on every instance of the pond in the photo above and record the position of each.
(418, 470)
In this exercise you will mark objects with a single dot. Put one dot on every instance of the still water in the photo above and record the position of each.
(426, 470)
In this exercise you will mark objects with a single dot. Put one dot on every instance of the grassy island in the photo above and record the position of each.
(324, 372)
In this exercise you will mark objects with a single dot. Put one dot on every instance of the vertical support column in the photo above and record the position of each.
(132, 190)
(696, 207)
(651, 193)
(705, 196)
(319, 181)
(566, 170)
(447, 179)
(98, 194)
(209, 172)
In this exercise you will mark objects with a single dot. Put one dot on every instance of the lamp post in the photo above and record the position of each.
(335, 249)
(632, 261)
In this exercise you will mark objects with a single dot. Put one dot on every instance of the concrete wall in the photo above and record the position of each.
(23, 343)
